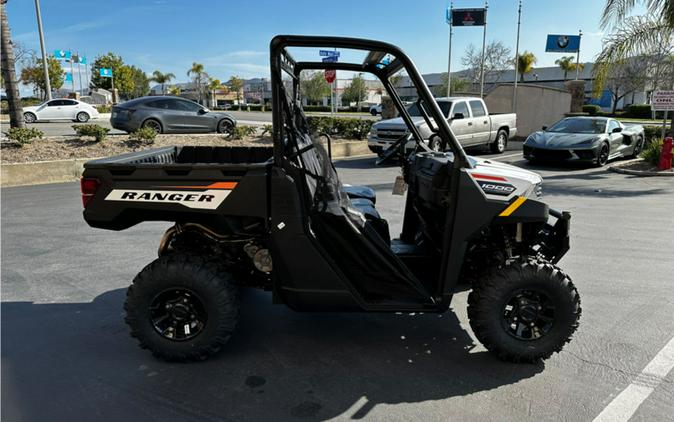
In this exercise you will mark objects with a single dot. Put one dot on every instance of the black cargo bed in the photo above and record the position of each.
(180, 155)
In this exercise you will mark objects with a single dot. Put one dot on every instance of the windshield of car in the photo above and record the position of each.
(415, 112)
(579, 126)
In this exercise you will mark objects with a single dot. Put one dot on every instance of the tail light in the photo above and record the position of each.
(88, 186)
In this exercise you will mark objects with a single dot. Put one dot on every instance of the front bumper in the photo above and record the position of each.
(571, 154)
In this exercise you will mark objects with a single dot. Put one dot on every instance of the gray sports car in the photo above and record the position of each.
(169, 115)
(594, 140)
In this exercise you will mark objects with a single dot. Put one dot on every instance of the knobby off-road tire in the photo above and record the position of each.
(179, 289)
(524, 283)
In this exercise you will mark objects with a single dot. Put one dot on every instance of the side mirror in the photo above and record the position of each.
(203, 111)
(458, 116)
(617, 130)
(544, 128)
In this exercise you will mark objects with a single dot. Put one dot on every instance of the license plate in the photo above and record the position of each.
(114, 114)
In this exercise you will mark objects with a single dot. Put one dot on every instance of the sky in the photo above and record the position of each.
(232, 37)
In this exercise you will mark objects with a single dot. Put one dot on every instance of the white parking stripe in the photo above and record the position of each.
(623, 406)
(506, 156)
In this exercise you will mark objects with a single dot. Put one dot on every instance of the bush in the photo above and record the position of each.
(240, 132)
(97, 132)
(23, 135)
(340, 126)
(143, 135)
(652, 132)
(651, 152)
(316, 108)
(104, 108)
(639, 111)
(267, 129)
(591, 109)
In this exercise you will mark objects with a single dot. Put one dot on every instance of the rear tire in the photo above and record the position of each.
(82, 117)
(153, 124)
(178, 290)
(524, 312)
(500, 143)
(638, 147)
(29, 117)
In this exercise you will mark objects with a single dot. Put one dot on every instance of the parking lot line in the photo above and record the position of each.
(510, 155)
(623, 406)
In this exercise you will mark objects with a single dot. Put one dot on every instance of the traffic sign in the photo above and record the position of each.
(330, 59)
(62, 54)
(330, 75)
(662, 101)
(105, 72)
(563, 43)
(328, 53)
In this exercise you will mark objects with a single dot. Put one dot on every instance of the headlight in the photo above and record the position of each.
(538, 189)
(373, 132)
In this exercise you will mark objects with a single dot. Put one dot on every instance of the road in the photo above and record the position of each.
(60, 128)
(67, 355)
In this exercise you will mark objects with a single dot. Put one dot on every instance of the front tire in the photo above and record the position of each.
(602, 157)
(182, 307)
(500, 143)
(225, 127)
(524, 312)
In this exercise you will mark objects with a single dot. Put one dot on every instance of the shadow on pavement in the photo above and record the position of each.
(76, 361)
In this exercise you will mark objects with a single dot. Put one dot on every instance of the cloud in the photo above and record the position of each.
(598, 34)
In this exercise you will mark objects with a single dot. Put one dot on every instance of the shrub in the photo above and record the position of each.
(97, 132)
(143, 135)
(639, 111)
(651, 152)
(267, 129)
(340, 126)
(240, 132)
(104, 108)
(23, 135)
(591, 109)
(652, 132)
(316, 108)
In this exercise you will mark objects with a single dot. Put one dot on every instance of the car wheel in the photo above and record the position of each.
(153, 124)
(602, 158)
(638, 147)
(29, 118)
(225, 127)
(373, 112)
(82, 117)
(183, 307)
(500, 143)
(524, 312)
(435, 143)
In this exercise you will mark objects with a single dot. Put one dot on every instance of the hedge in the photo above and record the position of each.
(340, 126)
(591, 109)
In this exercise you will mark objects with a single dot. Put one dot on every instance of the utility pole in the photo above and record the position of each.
(580, 35)
(449, 56)
(45, 65)
(517, 55)
(484, 44)
(9, 72)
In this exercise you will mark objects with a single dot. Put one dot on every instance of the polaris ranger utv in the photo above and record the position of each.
(279, 219)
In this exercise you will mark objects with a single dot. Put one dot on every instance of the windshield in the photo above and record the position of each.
(579, 126)
(415, 112)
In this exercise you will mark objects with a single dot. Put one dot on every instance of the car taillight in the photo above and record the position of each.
(88, 187)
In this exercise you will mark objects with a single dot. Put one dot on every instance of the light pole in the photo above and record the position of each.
(517, 55)
(45, 66)
(580, 34)
(484, 43)
(449, 59)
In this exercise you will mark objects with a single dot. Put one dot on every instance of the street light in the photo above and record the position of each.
(45, 66)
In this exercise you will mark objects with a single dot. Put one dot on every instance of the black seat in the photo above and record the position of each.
(360, 192)
(372, 216)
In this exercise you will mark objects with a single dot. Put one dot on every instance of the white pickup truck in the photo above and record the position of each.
(470, 121)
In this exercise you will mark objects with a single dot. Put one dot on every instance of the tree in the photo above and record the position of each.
(566, 64)
(162, 79)
(199, 78)
(458, 85)
(525, 63)
(497, 59)
(9, 72)
(174, 90)
(626, 78)
(122, 74)
(314, 87)
(213, 85)
(141, 83)
(33, 74)
(236, 84)
(356, 91)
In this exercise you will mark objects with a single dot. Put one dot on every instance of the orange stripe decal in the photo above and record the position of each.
(216, 185)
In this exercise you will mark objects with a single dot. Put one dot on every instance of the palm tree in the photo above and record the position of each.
(525, 63)
(235, 84)
(162, 78)
(213, 85)
(174, 90)
(9, 73)
(566, 64)
(198, 76)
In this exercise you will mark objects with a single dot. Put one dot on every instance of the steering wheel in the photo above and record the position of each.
(388, 152)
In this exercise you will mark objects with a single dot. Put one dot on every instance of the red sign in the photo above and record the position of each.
(330, 75)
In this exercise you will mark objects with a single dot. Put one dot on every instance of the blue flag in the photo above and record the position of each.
(62, 54)
(105, 72)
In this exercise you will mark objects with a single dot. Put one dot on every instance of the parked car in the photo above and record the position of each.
(467, 116)
(594, 140)
(167, 114)
(60, 109)
(375, 109)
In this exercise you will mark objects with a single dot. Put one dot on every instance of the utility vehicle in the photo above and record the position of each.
(279, 219)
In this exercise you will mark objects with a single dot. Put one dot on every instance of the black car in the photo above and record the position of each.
(169, 115)
(593, 140)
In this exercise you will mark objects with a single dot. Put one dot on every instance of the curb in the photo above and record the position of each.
(617, 168)
(43, 172)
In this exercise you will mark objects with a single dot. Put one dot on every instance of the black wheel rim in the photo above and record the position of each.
(153, 125)
(528, 315)
(603, 155)
(637, 148)
(226, 128)
(178, 314)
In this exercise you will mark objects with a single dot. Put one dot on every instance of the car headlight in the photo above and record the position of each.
(373, 132)
(538, 189)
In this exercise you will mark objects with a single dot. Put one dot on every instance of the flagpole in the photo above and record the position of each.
(72, 72)
(79, 69)
(449, 56)
(484, 43)
(517, 55)
(580, 34)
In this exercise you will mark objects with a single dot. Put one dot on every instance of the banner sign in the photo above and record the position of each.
(62, 54)
(105, 72)
(662, 101)
(468, 17)
(563, 43)
(68, 77)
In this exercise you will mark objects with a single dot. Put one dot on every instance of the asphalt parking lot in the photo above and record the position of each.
(67, 355)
